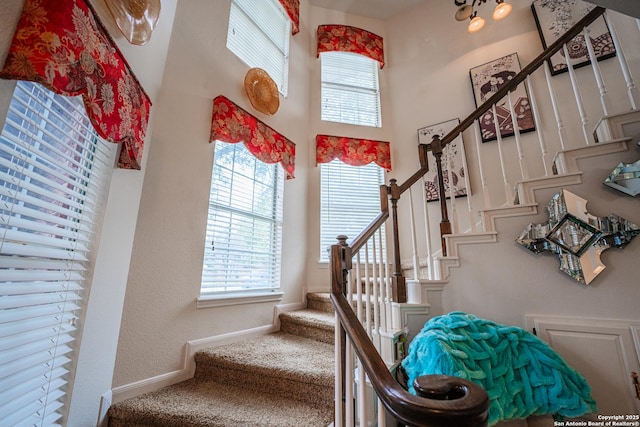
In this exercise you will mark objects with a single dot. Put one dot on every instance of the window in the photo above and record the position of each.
(54, 176)
(349, 201)
(259, 34)
(350, 92)
(244, 228)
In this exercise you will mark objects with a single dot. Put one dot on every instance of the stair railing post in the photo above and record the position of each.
(445, 225)
(340, 266)
(399, 287)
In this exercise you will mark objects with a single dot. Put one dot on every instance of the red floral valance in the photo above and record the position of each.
(230, 123)
(62, 45)
(344, 38)
(353, 151)
(292, 7)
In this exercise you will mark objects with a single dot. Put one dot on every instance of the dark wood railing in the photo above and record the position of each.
(441, 401)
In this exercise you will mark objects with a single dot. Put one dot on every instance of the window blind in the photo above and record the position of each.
(54, 175)
(259, 34)
(349, 201)
(350, 91)
(244, 228)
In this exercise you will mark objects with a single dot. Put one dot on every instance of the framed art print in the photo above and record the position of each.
(453, 153)
(487, 79)
(555, 17)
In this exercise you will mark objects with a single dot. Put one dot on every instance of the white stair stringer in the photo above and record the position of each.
(566, 161)
(525, 189)
(445, 263)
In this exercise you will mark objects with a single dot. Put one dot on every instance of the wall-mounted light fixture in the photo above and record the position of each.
(467, 11)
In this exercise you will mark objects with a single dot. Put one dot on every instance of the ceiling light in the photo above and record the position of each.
(502, 10)
(467, 11)
(476, 24)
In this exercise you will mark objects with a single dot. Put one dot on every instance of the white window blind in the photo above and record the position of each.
(350, 91)
(259, 34)
(244, 228)
(349, 201)
(54, 174)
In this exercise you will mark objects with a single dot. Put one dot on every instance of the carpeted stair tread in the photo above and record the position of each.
(320, 301)
(318, 325)
(196, 403)
(279, 355)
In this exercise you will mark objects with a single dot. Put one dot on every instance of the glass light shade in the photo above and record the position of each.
(502, 10)
(476, 24)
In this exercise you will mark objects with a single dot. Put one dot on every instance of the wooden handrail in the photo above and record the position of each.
(447, 401)
(441, 401)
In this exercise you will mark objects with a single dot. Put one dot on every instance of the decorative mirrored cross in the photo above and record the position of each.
(577, 237)
(626, 178)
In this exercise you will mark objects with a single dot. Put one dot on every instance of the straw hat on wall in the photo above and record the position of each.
(136, 19)
(262, 91)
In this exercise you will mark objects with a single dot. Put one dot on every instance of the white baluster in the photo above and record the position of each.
(632, 90)
(362, 397)
(536, 120)
(349, 380)
(452, 196)
(524, 173)
(385, 323)
(467, 185)
(554, 104)
(382, 420)
(595, 65)
(367, 290)
(485, 188)
(375, 301)
(427, 228)
(414, 243)
(576, 92)
(358, 289)
(508, 193)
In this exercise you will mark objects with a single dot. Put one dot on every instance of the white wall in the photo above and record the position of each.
(160, 313)
(429, 57)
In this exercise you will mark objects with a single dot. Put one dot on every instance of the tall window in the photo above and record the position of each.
(259, 34)
(244, 228)
(349, 201)
(350, 92)
(54, 176)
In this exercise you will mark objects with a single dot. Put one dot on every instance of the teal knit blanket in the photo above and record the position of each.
(521, 374)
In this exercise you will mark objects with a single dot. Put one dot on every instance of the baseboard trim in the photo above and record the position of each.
(128, 391)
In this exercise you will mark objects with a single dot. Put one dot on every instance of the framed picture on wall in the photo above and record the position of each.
(487, 79)
(452, 155)
(555, 17)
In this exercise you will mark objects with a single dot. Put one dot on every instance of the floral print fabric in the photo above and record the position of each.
(344, 38)
(353, 151)
(230, 123)
(292, 7)
(62, 45)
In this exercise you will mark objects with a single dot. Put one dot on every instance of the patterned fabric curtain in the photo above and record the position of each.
(292, 7)
(230, 123)
(353, 151)
(344, 38)
(62, 45)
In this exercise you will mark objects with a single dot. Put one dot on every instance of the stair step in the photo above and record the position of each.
(195, 403)
(314, 324)
(281, 363)
(320, 301)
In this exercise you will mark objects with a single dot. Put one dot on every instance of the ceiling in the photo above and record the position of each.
(378, 9)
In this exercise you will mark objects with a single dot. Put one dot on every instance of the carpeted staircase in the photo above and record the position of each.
(277, 380)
